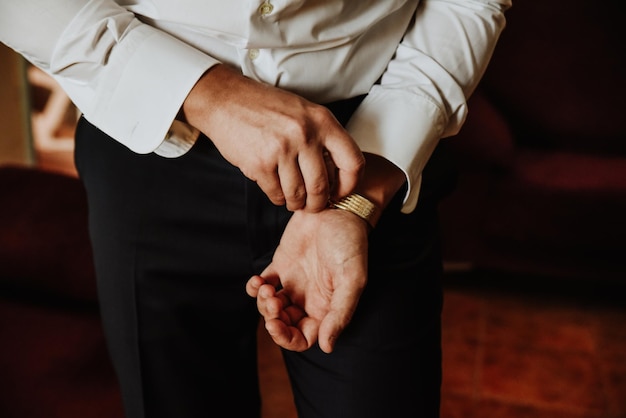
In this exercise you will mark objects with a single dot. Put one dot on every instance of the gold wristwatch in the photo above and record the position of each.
(358, 205)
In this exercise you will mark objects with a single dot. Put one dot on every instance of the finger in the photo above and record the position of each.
(255, 282)
(269, 304)
(348, 159)
(316, 179)
(270, 184)
(343, 303)
(331, 327)
(294, 338)
(331, 170)
(276, 305)
(270, 275)
(292, 184)
(294, 313)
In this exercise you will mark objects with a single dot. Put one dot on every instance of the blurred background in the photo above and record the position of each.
(534, 320)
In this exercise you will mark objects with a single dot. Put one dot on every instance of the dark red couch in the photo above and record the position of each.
(542, 157)
(53, 358)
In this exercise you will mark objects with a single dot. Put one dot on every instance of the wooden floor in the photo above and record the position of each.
(513, 353)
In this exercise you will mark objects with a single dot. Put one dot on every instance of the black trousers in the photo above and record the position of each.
(175, 241)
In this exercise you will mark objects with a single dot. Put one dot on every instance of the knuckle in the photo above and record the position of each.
(356, 165)
(263, 165)
(295, 129)
(296, 199)
(276, 197)
(318, 188)
(297, 195)
(322, 112)
(249, 173)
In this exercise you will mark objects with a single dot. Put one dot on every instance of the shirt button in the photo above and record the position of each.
(253, 54)
(266, 8)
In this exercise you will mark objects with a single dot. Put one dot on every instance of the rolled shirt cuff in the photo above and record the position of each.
(402, 127)
(138, 98)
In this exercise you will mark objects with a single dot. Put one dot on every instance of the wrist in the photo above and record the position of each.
(208, 95)
(380, 183)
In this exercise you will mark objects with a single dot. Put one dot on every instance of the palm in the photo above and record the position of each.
(321, 265)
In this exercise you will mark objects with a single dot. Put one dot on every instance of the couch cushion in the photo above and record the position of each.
(589, 175)
(44, 243)
(55, 364)
(562, 211)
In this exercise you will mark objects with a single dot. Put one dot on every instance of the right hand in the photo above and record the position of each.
(310, 290)
(295, 150)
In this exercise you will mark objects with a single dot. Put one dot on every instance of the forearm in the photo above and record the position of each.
(276, 138)
(217, 94)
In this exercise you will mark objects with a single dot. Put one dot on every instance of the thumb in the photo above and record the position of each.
(342, 306)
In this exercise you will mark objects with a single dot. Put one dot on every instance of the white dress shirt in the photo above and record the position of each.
(128, 65)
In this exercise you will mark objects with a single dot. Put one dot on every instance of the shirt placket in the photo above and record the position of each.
(256, 62)
(264, 10)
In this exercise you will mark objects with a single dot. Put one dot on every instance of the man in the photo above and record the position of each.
(277, 146)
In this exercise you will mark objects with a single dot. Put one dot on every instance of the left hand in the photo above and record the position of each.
(278, 139)
(320, 267)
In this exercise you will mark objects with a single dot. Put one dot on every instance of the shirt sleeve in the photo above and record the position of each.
(127, 78)
(422, 94)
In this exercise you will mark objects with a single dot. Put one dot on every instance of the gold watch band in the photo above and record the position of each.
(358, 205)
